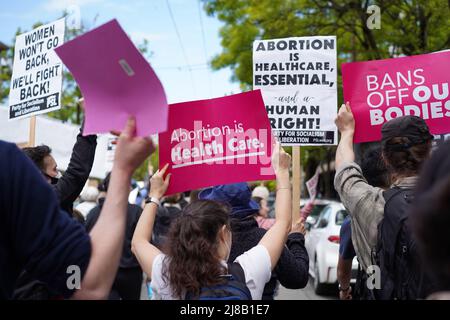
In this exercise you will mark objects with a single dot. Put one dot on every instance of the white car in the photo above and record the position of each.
(322, 244)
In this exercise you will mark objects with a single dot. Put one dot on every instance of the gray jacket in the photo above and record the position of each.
(365, 204)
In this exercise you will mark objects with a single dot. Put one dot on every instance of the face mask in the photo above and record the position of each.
(53, 180)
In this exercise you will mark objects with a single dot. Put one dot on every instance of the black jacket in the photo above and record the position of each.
(292, 267)
(69, 186)
(127, 260)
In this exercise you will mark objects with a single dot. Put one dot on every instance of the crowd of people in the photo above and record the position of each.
(221, 243)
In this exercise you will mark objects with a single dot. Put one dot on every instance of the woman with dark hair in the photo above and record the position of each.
(199, 243)
(291, 270)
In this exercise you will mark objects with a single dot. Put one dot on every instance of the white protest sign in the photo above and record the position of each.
(312, 183)
(298, 80)
(110, 152)
(37, 72)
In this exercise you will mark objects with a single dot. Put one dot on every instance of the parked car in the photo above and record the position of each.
(319, 204)
(322, 244)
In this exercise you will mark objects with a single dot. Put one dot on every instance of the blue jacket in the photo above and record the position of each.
(35, 234)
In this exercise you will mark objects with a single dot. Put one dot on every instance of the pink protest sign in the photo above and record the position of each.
(379, 91)
(116, 81)
(218, 141)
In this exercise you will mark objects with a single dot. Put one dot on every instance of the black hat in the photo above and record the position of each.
(412, 127)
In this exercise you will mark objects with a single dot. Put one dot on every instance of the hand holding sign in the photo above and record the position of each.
(159, 184)
(131, 151)
(345, 120)
(281, 161)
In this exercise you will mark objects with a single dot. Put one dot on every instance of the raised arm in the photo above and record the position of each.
(275, 238)
(144, 251)
(71, 183)
(346, 125)
(107, 236)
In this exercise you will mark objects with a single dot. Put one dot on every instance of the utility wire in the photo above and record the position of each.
(181, 45)
(204, 44)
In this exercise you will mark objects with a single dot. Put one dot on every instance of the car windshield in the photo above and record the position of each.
(340, 216)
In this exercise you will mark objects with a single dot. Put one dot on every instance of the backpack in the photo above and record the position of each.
(402, 275)
(235, 287)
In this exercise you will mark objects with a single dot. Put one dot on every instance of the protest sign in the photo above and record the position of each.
(218, 141)
(312, 183)
(381, 90)
(116, 82)
(37, 72)
(297, 77)
(110, 152)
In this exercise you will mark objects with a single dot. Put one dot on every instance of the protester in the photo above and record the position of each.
(406, 143)
(261, 192)
(68, 186)
(262, 216)
(374, 170)
(292, 268)
(36, 236)
(431, 219)
(199, 245)
(346, 255)
(193, 195)
(128, 281)
(88, 200)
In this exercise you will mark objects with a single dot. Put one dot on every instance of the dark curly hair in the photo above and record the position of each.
(403, 159)
(37, 154)
(374, 168)
(191, 247)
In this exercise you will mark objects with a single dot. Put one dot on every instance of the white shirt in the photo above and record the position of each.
(255, 263)
(86, 207)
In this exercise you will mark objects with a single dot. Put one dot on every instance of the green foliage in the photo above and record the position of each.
(142, 171)
(407, 27)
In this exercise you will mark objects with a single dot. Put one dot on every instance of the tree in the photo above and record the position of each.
(407, 27)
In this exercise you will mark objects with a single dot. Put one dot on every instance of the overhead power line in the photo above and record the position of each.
(181, 44)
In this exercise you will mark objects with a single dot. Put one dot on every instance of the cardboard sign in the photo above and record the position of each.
(218, 141)
(297, 77)
(37, 72)
(312, 183)
(381, 90)
(116, 82)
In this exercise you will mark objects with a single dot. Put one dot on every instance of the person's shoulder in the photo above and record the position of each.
(348, 166)
(10, 150)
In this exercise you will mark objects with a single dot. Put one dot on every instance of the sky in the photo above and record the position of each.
(180, 59)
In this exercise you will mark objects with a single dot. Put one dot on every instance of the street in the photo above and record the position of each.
(303, 294)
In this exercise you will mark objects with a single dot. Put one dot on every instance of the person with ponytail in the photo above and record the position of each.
(199, 243)
(379, 216)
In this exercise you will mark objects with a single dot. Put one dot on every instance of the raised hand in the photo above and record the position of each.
(131, 151)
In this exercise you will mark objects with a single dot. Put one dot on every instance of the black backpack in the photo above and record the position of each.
(402, 275)
(235, 287)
